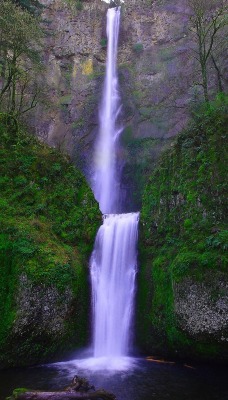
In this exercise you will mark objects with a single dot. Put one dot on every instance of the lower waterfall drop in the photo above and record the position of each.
(113, 270)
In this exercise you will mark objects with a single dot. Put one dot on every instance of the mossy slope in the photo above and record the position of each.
(48, 221)
(183, 278)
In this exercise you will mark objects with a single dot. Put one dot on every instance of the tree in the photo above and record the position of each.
(207, 20)
(20, 44)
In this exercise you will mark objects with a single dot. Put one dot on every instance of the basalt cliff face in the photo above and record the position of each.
(156, 67)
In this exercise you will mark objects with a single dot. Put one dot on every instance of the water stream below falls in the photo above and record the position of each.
(143, 381)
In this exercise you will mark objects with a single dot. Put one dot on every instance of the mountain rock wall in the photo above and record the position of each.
(156, 69)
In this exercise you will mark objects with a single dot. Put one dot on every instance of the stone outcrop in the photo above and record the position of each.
(202, 307)
(42, 307)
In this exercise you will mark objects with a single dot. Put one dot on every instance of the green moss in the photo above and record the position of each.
(146, 112)
(48, 222)
(17, 393)
(65, 100)
(75, 5)
(183, 231)
(166, 54)
(103, 42)
(79, 5)
(78, 123)
(127, 135)
(142, 155)
(138, 48)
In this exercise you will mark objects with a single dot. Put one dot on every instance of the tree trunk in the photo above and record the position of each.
(219, 75)
(36, 395)
(78, 389)
(205, 84)
(14, 73)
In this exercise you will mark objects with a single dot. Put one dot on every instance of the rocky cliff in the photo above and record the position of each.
(183, 281)
(156, 69)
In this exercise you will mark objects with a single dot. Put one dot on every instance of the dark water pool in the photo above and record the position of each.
(146, 380)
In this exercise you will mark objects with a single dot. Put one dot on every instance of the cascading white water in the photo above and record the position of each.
(113, 269)
(106, 182)
(114, 258)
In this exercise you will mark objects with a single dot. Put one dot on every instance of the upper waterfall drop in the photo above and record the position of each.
(106, 179)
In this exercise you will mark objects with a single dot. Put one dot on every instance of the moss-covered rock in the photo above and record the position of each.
(183, 278)
(17, 393)
(48, 221)
(141, 157)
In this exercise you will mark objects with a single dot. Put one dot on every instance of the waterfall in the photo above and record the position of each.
(113, 269)
(106, 181)
(114, 258)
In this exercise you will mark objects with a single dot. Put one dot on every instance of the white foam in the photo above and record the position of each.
(103, 364)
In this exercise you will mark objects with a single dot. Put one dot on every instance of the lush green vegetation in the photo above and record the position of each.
(48, 221)
(183, 228)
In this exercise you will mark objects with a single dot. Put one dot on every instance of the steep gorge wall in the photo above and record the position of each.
(71, 51)
(156, 70)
